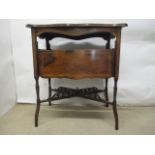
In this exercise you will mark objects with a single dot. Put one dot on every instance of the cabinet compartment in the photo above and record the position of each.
(76, 64)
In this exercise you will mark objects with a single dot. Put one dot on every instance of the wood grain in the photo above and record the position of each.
(77, 64)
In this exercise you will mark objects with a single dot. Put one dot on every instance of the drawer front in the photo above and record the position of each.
(76, 64)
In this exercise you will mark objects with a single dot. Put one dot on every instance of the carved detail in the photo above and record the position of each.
(88, 93)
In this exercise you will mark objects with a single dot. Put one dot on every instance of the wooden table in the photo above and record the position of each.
(77, 64)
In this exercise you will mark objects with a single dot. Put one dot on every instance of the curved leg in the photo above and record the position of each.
(49, 91)
(38, 102)
(115, 104)
(106, 92)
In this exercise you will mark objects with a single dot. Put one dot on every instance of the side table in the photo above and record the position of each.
(77, 64)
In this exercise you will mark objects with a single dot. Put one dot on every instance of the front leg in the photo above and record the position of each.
(114, 105)
(38, 101)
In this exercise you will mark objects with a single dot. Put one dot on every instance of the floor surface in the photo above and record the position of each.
(77, 120)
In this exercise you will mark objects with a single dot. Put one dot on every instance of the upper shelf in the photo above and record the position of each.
(120, 25)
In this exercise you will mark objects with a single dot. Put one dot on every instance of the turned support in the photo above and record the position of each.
(38, 101)
(114, 105)
(49, 91)
(106, 92)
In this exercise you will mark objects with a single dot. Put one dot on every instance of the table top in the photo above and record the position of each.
(87, 25)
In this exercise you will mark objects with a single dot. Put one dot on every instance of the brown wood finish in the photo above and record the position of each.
(79, 63)
(76, 64)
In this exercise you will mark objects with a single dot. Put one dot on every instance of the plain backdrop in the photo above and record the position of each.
(7, 76)
(136, 85)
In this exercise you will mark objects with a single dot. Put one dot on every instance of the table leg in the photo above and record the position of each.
(49, 91)
(115, 103)
(38, 102)
(106, 92)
